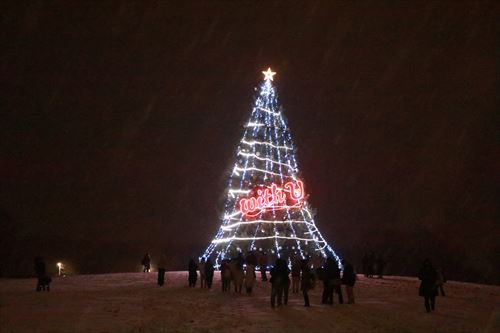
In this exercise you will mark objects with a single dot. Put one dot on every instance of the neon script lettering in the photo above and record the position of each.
(272, 197)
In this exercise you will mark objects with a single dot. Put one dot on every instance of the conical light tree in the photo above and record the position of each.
(266, 206)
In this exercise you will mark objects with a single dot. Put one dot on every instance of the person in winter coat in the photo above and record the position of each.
(43, 279)
(307, 281)
(295, 275)
(349, 279)
(428, 276)
(337, 283)
(263, 266)
(192, 276)
(249, 277)
(201, 268)
(440, 281)
(209, 273)
(237, 273)
(225, 275)
(286, 286)
(146, 263)
(162, 266)
(329, 274)
(279, 280)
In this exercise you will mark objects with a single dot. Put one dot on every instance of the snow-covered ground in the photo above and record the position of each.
(132, 302)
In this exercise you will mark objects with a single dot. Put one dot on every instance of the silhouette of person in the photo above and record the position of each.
(146, 263)
(428, 276)
(162, 267)
(192, 275)
(349, 279)
(43, 279)
(307, 281)
(209, 273)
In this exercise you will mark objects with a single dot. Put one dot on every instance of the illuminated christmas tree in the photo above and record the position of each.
(266, 207)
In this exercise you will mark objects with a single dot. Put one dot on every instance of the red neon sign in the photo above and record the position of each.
(273, 197)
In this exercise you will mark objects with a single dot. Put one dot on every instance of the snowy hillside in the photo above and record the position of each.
(132, 302)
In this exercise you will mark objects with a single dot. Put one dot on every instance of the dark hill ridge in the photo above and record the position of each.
(120, 120)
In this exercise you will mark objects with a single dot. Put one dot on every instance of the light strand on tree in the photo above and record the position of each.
(277, 236)
(252, 143)
(233, 225)
(236, 169)
(269, 111)
(251, 124)
(265, 159)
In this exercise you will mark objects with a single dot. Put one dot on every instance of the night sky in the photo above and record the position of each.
(119, 123)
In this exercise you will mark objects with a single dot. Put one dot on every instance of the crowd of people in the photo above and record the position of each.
(305, 274)
(240, 272)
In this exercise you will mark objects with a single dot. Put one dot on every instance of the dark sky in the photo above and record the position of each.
(119, 122)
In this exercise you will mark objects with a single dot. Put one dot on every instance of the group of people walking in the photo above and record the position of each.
(206, 269)
(304, 278)
(240, 272)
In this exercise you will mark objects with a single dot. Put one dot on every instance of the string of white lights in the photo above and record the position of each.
(236, 169)
(253, 143)
(244, 172)
(252, 124)
(232, 192)
(294, 234)
(233, 238)
(269, 111)
(265, 159)
(233, 225)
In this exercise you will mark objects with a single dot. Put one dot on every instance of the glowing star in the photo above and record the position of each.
(268, 75)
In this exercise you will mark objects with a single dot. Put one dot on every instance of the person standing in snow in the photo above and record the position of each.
(295, 274)
(307, 281)
(329, 274)
(146, 263)
(251, 262)
(225, 275)
(440, 281)
(428, 276)
(349, 279)
(192, 275)
(286, 286)
(43, 279)
(249, 277)
(263, 265)
(209, 273)
(162, 266)
(201, 268)
(337, 283)
(279, 277)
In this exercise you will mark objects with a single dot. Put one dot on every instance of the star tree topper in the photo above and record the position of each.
(268, 75)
